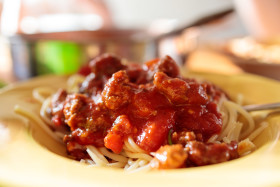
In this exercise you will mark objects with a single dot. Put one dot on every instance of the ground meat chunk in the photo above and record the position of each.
(77, 111)
(200, 153)
(145, 103)
(57, 105)
(76, 150)
(169, 157)
(143, 106)
(179, 91)
(92, 85)
(174, 89)
(117, 91)
(136, 74)
(88, 122)
(102, 68)
(106, 64)
(214, 93)
(183, 137)
(81, 112)
(166, 65)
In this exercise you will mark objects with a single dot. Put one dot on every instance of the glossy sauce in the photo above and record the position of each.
(145, 102)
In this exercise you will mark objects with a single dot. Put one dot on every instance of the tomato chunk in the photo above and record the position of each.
(154, 134)
(118, 133)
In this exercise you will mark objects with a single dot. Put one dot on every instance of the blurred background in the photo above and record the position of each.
(60, 36)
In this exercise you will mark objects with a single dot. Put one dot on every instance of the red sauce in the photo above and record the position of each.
(145, 102)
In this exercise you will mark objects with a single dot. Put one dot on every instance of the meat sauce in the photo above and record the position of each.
(148, 102)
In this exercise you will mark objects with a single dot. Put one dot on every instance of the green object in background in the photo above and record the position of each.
(57, 57)
(2, 84)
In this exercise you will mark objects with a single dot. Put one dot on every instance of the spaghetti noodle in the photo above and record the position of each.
(143, 117)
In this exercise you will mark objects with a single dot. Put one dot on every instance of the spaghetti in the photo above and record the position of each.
(143, 117)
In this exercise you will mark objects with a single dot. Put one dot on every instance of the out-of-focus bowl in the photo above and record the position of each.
(256, 67)
(253, 56)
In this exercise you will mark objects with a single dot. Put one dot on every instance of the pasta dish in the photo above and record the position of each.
(143, 117)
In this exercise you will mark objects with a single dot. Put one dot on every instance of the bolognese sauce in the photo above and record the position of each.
(165, 114)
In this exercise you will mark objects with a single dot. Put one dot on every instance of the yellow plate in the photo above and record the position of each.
(38, 160)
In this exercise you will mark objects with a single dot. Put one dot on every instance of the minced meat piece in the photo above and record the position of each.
(200, 153)
(117, 92)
